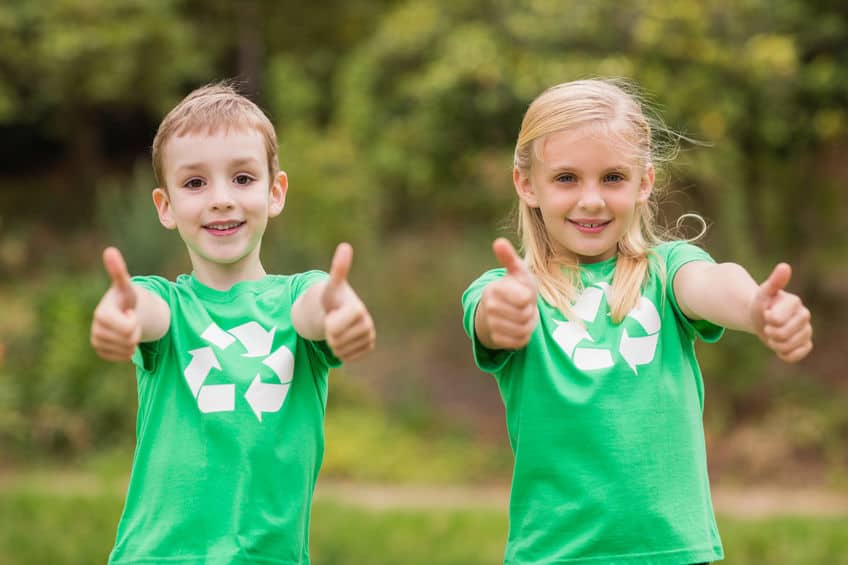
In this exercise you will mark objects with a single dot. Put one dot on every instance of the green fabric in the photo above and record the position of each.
(607, 431)
(233, 483)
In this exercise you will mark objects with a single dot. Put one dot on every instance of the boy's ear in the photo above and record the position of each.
(163, 208)
(647, 184)
(524, 188)
(277, 194)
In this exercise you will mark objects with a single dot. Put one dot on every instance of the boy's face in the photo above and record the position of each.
(217, 196)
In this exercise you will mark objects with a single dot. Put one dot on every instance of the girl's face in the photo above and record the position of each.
(587, 186)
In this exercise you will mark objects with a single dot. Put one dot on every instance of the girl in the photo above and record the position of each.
(591, 340)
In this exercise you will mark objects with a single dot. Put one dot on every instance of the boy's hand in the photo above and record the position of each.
(508, 312)
(781, 320)
(115, 330)
(348, 326)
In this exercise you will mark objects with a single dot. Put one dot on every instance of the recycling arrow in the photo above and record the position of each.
(635, 350)
(255, 339)
(267, 397)
(257, 342)
(202, 361)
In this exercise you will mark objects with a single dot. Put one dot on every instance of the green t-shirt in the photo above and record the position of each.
(230, 429)
(605, 422)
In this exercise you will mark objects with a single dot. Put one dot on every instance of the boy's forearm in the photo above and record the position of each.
(153, 314)
(308, 313)
(719, 293)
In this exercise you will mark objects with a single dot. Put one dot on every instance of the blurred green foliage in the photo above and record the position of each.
(396, 121)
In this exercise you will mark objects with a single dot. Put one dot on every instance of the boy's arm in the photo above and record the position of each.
(725, 294)
(127, 314)
(331, 310)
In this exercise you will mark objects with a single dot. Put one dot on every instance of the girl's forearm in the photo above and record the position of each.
(719, 293)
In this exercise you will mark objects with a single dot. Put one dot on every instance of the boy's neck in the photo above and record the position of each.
(223, 277)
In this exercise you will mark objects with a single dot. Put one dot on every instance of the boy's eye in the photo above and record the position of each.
(243, 179)
(566, 177)
(193, 183)
(613, 177)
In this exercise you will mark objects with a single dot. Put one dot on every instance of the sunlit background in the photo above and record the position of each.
(397, 120)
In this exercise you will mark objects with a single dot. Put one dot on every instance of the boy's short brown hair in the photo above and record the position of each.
(208, 108)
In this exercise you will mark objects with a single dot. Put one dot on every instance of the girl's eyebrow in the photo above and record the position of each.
(568, 167)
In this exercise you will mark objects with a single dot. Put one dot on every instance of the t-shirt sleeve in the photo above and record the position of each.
(319, 350)
(488, 360)
(678, 254)
(147, 354)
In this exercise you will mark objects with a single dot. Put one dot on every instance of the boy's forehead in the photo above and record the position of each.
(214, 145)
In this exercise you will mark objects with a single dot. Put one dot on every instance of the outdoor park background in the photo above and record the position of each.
(396, 121)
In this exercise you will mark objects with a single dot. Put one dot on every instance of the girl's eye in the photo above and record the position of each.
(243, 179)
(613, 177)
(193, 183)
(566, 177)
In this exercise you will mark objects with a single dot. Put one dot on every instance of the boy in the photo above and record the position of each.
(231, 363)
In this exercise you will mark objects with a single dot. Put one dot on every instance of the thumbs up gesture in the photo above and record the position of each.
(348, 326)
(508, 312)
(780, 318)
(115, 330)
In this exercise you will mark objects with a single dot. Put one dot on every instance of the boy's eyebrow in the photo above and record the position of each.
(245, 161)
(239, 162)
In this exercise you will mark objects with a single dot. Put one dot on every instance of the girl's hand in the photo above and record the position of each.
(508, 312)
(781, 320)
(115, 329)
(348, 326)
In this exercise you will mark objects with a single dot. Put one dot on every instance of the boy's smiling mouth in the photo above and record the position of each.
(223, 227)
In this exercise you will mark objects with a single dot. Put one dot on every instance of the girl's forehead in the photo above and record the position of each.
(591, 144)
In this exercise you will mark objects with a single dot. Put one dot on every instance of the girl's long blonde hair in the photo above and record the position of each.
(613, 108)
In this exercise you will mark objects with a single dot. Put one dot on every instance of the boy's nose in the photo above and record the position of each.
(221, 197)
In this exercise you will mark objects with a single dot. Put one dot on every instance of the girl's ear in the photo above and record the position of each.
(277, 194)
(163, 208)
(647, 184)
(524, 188)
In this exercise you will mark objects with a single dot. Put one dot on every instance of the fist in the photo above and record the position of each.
(348, 326)
(115, 329)
(508, 311)
(781, 320)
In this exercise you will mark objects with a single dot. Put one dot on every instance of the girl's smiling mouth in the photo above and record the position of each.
(589, 225)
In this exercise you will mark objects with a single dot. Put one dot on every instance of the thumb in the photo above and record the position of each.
(115, 265)
(776, 281)
(339, 268)
(508, 257)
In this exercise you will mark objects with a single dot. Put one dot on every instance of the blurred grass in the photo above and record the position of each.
(50, 517)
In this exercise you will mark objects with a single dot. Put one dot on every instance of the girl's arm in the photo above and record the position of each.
(507, 312)
(726, 295)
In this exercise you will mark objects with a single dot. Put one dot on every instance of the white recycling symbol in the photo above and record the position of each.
(257, 342)
(634, 350)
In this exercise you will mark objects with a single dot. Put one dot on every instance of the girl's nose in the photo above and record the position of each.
(591, 198)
